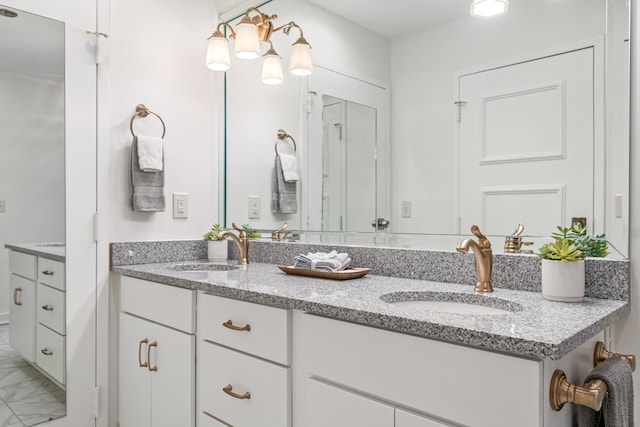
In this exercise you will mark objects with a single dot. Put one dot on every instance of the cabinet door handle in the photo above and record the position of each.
(151, 368)
(48, 273)
(228, 389)
(145, 364)
(229, 324)
(46, 352)
(47, 307)
(15, 296)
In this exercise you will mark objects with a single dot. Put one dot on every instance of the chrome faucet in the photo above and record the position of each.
(484, 258)
(242, 242)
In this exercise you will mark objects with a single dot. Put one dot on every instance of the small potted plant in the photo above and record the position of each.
(217, 246)
(252, 233)
(563, 262)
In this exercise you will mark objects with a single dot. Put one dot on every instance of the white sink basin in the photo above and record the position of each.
(450, 302)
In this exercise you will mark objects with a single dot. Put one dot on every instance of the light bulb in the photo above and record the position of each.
(300, 63)
(487, 8)
(247, 42)
(218, 53)
(271, 68)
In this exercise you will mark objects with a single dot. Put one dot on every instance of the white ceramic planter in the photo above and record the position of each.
(563, 280)
(217, 250)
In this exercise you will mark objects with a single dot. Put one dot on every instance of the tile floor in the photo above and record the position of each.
(27, 397)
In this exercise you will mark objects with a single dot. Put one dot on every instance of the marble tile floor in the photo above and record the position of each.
(27, 397)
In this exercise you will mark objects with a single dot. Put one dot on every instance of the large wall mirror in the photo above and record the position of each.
(32, 216)
(518, 118)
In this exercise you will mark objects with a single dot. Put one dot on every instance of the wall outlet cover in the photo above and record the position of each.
(180, 205)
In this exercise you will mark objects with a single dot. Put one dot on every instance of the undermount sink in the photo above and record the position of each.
(202, 266)
(450, 302)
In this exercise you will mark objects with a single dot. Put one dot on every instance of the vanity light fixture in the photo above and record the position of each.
(487, 8)
(250, 32)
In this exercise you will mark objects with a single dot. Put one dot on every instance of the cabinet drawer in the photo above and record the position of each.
(51, 308)
(164, 304)
(51, 273)
(23, 264)
(408, 419)
(332, 406)
(50, 352)
(267, 384)
(269, 332)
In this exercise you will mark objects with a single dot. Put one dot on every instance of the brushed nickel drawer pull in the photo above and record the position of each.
(48, 273)
(228, 389)
(47, 307)
(46, 352)
(145, 364)
(15, 296)
(229, 324)
(151, 368)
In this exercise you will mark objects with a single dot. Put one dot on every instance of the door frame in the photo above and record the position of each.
(597, 223)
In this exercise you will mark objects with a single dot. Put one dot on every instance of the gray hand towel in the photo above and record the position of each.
(617, 407)
(283, 194)
(147, 187)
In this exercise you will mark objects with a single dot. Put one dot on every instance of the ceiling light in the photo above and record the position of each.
(487, 8)
(247, 37)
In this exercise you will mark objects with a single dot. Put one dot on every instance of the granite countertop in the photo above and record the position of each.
(54, 251)
(540, 329)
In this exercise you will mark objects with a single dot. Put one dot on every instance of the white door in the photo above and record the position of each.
(524, 130)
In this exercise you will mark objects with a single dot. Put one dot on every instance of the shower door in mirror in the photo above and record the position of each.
(536, 123)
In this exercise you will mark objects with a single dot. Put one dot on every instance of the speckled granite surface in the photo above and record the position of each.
(54, 251)
(604, 278)
(532, 326)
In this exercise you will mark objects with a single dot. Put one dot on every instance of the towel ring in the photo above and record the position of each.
(143, 111)
(282, 134)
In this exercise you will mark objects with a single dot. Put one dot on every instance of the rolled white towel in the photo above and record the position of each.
(289, 167)
(321, 261)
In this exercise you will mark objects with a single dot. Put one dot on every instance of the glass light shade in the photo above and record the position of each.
(488, 8)
(300, 63)
(271, 68)
(218, 54)
(247, 42)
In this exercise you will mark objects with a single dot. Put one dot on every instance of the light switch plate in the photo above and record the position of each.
(254, 207)
(406, 209)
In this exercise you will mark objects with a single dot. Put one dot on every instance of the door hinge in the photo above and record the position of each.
(97, 35)
(96, 227)
(459, 105)
(96, 402)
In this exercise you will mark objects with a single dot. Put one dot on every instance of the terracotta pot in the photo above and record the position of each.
(563, 280)
(217, 250)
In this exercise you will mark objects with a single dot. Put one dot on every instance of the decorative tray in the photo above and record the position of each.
(348, 273)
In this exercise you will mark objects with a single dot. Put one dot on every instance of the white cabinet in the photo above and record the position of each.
(22, 316)
(408, 419)
(157, 355)
(243, 356)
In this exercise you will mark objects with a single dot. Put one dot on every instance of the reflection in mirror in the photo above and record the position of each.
(494, 158)
(32, 219)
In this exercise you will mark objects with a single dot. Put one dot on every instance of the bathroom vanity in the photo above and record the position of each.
(301, 351)
(37, 311)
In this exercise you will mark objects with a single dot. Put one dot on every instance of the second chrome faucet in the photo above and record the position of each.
(484, 258)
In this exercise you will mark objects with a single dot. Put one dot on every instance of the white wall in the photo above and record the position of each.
(423, 64)
(31, 166)
(157, 52)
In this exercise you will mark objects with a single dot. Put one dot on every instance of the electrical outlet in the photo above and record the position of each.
(406, 209)
(254, 207)
(3, 206)
(180, 205)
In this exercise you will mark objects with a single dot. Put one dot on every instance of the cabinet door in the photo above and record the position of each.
(408, 419)
(135, 381)
(172, 360)
(22, 316)
(332, 406)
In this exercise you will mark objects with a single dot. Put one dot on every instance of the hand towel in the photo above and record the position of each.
(147, 187)
(283, 194)
(617, 407)
(321, 261)
(289, 167)
(150, 153)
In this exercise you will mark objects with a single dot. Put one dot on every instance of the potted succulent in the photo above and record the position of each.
(217, 245)
(252, 233)
(563, 262)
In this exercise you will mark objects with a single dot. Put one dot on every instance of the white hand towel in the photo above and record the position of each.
(289, 167)
(150, 156)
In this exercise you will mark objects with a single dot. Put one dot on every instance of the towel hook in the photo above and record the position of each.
(282, 134)
(143, 111)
